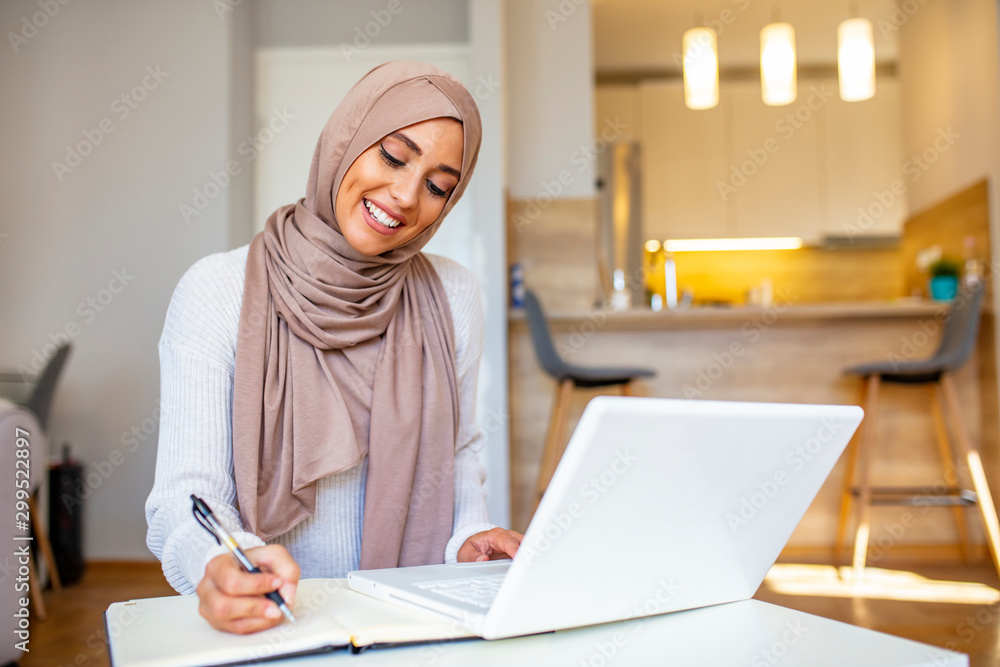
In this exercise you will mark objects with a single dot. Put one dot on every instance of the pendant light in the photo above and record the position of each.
(701, 68)
(777, 64)
(856, 59)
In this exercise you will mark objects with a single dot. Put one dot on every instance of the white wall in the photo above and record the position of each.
(550, 101)
(300, 23)
(486, 37)
(118, 210)
(950, 78)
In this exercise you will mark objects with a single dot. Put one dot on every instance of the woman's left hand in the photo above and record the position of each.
(491, 544)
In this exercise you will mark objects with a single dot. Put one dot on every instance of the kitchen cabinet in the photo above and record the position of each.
(814, 168)
(773, 177)
(862, 145)
(683, 156)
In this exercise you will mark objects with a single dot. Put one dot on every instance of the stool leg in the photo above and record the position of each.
(948, 461)
(37, 603)
(847, 490)
(982, 489)
(629, 388)
(867, 442)
(554, 444)
(46, 546)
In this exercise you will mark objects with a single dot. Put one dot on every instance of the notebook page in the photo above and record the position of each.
(169, 632)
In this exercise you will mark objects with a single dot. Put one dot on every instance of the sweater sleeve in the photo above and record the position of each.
(197, 359)
(471, 515)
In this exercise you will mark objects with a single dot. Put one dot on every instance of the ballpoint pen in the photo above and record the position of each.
(203, 514)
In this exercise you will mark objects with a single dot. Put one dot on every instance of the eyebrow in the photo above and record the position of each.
(416, 149)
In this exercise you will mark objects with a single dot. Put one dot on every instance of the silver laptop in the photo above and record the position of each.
(657, 505)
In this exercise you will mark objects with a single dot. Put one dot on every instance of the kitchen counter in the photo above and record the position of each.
(640, 319)
(792, 353)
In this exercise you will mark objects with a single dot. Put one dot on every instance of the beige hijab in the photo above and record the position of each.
(341, 355)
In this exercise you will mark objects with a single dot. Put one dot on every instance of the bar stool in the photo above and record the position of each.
(568, 377)
(961, 329)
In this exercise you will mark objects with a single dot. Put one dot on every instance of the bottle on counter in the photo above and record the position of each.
(972, 271)
(517, 285)
(621, 298)
(669, 281)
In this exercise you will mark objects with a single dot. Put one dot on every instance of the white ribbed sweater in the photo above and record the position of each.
(195, 454)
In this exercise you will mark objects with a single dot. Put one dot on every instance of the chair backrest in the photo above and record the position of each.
(41, 396)
(545, 350)
(961, 328)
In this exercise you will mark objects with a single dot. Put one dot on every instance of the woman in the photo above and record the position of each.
(318, 385)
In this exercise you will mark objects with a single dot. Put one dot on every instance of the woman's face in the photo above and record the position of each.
(399, 185)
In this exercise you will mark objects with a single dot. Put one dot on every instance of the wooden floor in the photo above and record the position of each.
(73, 633)
(972, 628)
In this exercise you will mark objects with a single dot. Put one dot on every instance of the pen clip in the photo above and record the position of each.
(202, 519)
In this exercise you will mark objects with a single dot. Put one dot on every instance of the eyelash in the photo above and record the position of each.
(396, 164)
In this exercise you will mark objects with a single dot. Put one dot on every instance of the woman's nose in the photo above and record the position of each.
(406, 190)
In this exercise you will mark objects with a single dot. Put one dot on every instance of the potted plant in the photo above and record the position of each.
(944, 278)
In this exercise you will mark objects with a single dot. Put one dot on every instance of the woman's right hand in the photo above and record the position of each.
(232, 599)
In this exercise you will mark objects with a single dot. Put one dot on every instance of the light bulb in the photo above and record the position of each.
(777, 64)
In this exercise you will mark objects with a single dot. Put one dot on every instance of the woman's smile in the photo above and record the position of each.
(381, 219)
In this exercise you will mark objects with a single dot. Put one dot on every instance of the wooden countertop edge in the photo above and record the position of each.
(641, 319)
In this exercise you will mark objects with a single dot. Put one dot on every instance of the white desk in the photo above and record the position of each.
(752, 633)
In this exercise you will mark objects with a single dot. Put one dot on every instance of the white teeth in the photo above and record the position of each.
(380, 215)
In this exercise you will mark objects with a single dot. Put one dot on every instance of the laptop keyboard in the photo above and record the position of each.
(478, 591)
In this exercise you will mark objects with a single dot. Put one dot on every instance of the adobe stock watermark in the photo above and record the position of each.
(306, 603)
(592, 490)
(751, 331)
(915, 167)
(101, 471)
(364, 35)
(218, 181)
(88, 310)
(913, 345)
(970, 626)
(563, 11)
(121, 107)
(893, 532)
(581, 158)
(786, 127)
(751, 503)
(604, 652)
(666, 591)
(779, 648)
(899, 15)
(597, 317)
(37, 21)
(225, 7)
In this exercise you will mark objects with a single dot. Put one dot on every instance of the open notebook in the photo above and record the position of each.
(169, 632)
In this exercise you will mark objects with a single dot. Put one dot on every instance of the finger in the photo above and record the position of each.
(507, 542)
(276, 559)
(238, 615)
(234, 581)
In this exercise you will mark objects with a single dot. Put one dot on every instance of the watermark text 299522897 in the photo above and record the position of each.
(22, 524)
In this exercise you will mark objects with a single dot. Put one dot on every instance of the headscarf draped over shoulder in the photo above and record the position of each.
(342, 355)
